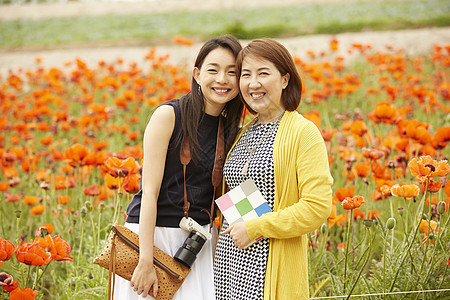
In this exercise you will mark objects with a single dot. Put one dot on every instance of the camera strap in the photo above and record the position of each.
(185, 158)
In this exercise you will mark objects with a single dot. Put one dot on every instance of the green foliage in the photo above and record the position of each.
(244, 23)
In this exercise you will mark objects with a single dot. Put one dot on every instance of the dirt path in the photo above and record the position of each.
(412, 41)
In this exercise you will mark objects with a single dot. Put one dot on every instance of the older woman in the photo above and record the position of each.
(285, 155)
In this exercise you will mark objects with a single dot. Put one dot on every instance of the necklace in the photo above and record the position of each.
(252, 151)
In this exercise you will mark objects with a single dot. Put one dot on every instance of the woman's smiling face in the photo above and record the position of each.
(217, 79)
(261, 86)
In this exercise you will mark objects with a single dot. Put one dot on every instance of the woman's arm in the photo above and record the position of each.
(156, 141)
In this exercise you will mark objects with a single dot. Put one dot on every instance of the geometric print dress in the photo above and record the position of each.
(240, 274)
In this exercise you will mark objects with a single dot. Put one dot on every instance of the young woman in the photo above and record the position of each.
(285, 155)
(156, 210)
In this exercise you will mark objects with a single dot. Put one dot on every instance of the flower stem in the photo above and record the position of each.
(346, 248)
(364, 265)
(421, 204)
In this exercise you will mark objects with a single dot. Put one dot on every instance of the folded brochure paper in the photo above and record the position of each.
(243, 203)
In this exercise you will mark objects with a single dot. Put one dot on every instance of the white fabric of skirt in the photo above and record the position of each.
(199, 284)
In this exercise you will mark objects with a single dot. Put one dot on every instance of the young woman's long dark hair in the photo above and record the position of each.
(192, 105)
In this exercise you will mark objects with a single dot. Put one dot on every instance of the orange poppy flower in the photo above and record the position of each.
(42, 175)
(46, 140)
(372, 153)
(37, 210)
(33, 254)
(7, 282)
(357, 213)
(131, 183)
(10, 172)
(12, 198)
(362, 169)
(62, 182)
(373, 214)
(353, 202)
(117, 167)
(342, 193)
(385, 112)
(334, 218)
(112, 182)
(428, 229)
(425, 167)
(407, 191)
(63, 199)
(6, 249)
(4, 186)
(75, 155)
(433, 186)
(441, 138)
(92, 190)
(23, 294)
(59, 248)
(447, 189)
(100, 145)
(30, 200)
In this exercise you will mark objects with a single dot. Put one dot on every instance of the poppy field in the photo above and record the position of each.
(71, 152)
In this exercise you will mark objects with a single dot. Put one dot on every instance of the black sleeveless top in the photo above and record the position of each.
(198, 177)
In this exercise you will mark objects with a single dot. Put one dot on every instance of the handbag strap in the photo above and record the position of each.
(185, 158)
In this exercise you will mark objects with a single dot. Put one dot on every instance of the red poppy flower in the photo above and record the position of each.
(33, 254)
(131, 183)
(407, 191)
(23, 294)
(353, 202)
(425, 167)
(6, 249)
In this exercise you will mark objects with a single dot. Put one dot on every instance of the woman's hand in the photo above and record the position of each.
(238, 233)
(144, 279)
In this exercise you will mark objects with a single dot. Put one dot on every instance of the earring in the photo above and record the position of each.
(199, 90)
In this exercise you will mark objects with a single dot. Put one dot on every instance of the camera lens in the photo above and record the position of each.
(191, 246)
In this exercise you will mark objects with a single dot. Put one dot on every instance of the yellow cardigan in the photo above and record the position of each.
(302, 203)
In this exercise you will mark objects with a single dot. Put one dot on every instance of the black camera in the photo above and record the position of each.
(187, 253)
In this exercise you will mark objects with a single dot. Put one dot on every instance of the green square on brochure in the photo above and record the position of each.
(244, 206)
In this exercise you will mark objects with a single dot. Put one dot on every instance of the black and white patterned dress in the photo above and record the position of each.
(240, 274)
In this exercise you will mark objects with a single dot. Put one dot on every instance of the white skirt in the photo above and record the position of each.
(199, 284)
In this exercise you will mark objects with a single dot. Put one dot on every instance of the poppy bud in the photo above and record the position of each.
(89, 206)
(18, 213)
(101, 207)
(368, 223)
(390, 223)
(323, 228)
(441, 207)
(83, 211)
(400, 211)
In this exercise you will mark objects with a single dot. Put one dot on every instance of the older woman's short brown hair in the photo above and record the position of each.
(277, 54)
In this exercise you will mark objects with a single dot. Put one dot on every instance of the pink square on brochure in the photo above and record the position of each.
(224, 202)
